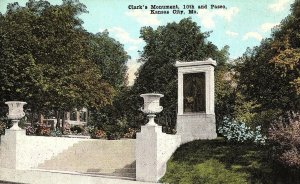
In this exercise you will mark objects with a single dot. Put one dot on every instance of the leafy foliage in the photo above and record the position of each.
(286, 141)
(269, 73)
(226, 94)
(30, 130)
(48, 60)
(56, 133)
(289, 60)
(112, 118)
(110, 57)
(98, 134)
(236, 132)
(43, 130)
(131, 133)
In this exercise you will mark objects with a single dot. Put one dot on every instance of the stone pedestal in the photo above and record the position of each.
(10, 150)
(153, 149)
(196, 126)
(197, 123)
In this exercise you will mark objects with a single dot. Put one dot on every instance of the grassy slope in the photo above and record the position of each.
(215, 161)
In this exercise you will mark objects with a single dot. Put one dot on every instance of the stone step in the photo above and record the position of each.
(113, 158)
(127, 175)
(86, 163)
(108, 171)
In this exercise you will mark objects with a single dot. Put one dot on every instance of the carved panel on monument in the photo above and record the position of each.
(194, 92)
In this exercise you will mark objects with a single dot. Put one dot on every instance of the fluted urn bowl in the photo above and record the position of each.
(15, 112)
(151, 106)
(151, 103)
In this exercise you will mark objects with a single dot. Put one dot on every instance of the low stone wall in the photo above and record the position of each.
(22, 152)
(153, 150)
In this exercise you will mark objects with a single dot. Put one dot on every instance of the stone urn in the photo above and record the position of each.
(15, 113)
(151, 106)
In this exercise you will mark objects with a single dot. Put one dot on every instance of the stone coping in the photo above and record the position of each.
(77, 136)
(209, 61)
(195, 114)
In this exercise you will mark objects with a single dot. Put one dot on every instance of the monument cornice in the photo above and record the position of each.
(209, 61)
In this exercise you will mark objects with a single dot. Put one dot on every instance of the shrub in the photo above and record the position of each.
(264, 119)
(77, 129)
(30, 130)
(86, 131)
(56, 133)
(237, 132)
(90, 129)
(131, 133)
(285, 138)
(114, 135)
(98, 134)
(43, 130)
(81, 130)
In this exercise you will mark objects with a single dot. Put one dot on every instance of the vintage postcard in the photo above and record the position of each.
(149, 91)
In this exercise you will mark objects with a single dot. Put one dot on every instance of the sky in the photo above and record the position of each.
(239, 24)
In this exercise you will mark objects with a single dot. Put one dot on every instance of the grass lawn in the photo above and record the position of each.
(218, 162)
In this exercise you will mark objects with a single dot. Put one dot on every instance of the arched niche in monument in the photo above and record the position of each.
(196, 116)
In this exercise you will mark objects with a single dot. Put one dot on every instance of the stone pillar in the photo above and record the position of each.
(68, 116)
(11, 154)
(153, 149)
(196, 125)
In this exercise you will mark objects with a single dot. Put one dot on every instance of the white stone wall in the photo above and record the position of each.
(153, 150)
(41, 148)
(24, 152)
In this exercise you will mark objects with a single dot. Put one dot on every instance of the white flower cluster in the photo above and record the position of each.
(238, 132)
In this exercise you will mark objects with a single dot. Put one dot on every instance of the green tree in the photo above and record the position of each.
(110, 57)
(286, 44)
(45, 58)
(269, 73)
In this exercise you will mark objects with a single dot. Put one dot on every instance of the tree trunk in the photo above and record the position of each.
(32, 118)
(63, 121)
(40, 118)
(58, 119)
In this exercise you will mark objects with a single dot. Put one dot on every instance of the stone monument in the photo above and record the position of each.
(196, 116)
